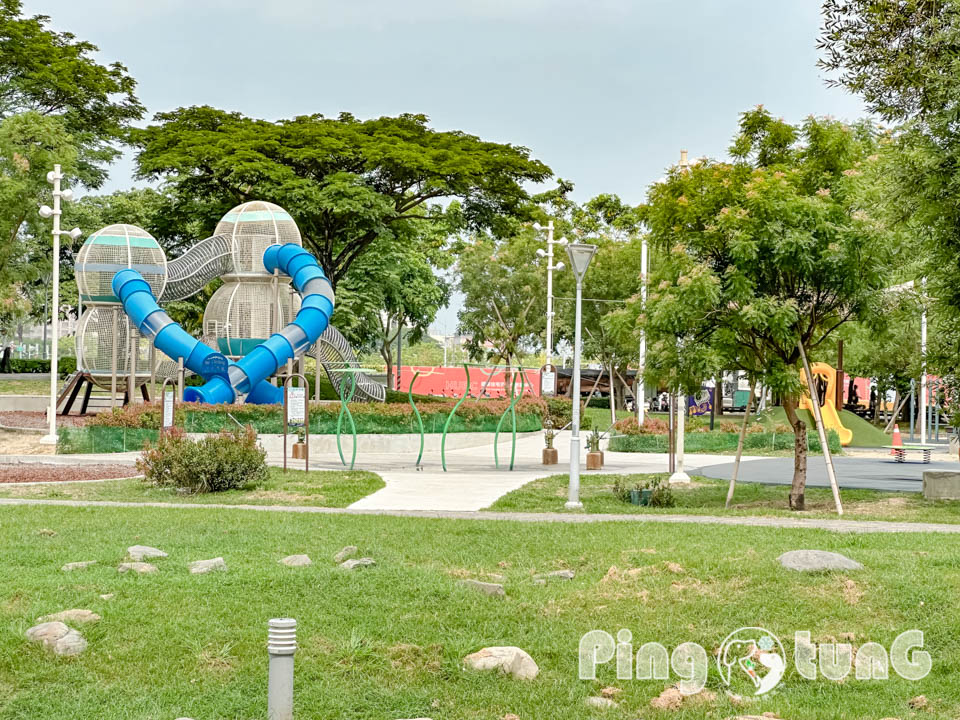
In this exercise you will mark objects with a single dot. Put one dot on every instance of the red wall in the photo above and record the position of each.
(452, 381)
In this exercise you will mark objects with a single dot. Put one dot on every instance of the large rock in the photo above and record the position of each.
(486, 588)
(144, 552)
(507, 659)
(199, 567)
(296, 561)
(138, 567)
(357, 563)
(58, 637)
(347, 552)
(938, 485)
(817, 561)
(600, 703)
(71, 616)
(78, 565)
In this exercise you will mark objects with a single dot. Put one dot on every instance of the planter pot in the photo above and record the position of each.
(603, 458)
(594, 461)
(549, 456)
(640, 497)
(299, 451)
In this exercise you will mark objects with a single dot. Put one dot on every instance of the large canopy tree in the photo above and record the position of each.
(348, 183)
(770, 250)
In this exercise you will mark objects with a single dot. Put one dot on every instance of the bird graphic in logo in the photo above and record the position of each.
(758, 653)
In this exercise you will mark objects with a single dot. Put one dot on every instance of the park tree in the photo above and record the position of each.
(900, 57)
(348, 183)
(763, 253)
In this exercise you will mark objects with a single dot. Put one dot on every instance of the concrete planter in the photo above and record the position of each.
(594, 460)
(939, 485)
(299, 451)
(549, 456)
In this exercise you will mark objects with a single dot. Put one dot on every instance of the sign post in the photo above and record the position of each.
(168, 398)
(548, 380)
(296, 412)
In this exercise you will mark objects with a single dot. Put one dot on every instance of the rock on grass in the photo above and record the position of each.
(817, 561)
(347, 552)
(357, 563)
(509, 660)
(70, 566)
(486, 588)
(144, 552)
(58, 637)
(75, 616)
(199, 567)
(138, 567)
(296, 561)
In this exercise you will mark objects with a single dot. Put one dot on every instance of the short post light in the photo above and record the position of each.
(580, 256)
(54, 177)
(281, 646)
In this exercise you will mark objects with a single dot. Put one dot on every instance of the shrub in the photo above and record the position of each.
(65, 365)
(651, 426)
(228, 461)
(662, 495)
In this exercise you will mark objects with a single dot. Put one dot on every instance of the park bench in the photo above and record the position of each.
(900, 451)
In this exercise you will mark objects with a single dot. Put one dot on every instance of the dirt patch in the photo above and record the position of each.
(38, 419)
(14, 443)
(45, 472)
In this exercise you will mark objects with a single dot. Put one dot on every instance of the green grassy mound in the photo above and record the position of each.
(864, 433)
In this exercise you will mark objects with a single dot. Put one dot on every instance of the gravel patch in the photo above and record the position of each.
(47, 472)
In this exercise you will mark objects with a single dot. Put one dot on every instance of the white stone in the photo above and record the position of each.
(817, 561)
(137, 567)
(600, 702)
(204, 566)
(485, 587)
(347, 552)
(108, 596)
(507, 659)
(357, 563)
(144, 552)
(58, 637)
(296, 561)
(78, 565)
(72, 616)
(558, 574)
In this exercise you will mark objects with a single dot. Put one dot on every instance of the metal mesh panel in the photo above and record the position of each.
(241, 314)
(252, 227)
(333, 352)
(95, 348)
(114, 248)
(189, 274)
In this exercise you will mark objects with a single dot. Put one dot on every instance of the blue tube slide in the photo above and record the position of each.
(248, 375)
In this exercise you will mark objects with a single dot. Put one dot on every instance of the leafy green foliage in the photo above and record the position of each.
(350, 184)
(228, 461)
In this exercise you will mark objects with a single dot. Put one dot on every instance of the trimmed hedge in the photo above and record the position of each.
(65, 366)
(720, 442)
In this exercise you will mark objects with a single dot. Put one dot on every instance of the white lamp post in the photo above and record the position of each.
(54, 178)
(580, 256)
(641, 398)
(679, 476)
(550, 268)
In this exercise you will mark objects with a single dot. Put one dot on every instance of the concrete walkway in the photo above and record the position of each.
(844, 526)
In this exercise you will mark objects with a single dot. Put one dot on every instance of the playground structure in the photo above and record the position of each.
(825, 376)
(273, 307)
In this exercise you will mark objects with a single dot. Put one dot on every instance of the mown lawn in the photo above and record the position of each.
(323, 488)
(387, 642)
(706, 496)
(24, 387)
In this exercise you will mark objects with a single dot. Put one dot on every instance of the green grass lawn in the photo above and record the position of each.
(24, 387)
(865, 434)
(707, 496)
(322, 488)
(387, 642)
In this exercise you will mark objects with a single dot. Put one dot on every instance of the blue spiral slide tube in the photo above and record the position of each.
(247, 376)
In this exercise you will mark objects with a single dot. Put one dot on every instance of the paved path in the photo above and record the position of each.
(880, 473)
(848, 526)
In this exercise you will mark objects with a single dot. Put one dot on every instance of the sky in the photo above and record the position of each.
(605, 92)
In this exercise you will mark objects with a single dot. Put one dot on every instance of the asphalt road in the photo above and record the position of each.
(852, 472)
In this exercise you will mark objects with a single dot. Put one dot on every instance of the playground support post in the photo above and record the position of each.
(133, 342)
(180, 379)
(113, 363)
(815, 404)
(446, 425)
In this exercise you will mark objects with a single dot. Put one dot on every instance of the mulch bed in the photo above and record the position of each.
(38, 419)
(41, 472)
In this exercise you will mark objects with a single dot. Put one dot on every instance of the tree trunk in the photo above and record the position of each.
(743, 434)
(799, 453)
(613, 396)
(387, 356)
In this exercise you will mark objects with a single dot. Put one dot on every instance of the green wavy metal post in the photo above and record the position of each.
(417, 413)
(513, 415)
(344, 399)
(446, 425)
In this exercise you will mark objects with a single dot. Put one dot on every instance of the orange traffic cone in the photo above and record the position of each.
(897, 440)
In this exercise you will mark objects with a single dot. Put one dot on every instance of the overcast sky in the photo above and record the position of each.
(605, 92)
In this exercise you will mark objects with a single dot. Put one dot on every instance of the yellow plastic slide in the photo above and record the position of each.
(828, 411)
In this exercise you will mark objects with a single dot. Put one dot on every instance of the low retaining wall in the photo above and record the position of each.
(386, 444)
(29, 403)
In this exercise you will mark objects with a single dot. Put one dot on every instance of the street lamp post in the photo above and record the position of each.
(550, 268)
(641, 398)
(679, 475)
(54, 177)
(580, 256)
